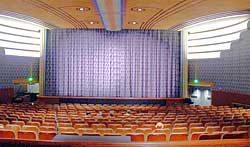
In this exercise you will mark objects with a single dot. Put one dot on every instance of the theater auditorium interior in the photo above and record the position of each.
(127, 73)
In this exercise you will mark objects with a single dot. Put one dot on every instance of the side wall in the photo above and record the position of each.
(15, 67)
(230, 72)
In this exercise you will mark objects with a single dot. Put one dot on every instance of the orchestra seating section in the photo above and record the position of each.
(40, 121)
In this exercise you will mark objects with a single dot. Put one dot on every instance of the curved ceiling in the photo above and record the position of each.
(133, 14)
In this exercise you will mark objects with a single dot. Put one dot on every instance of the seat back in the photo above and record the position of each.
(156, 137)
(228, 128)
(178, 137)
(7, 133)
(235, 135)
(136, 137)
(209, 136)
(46, 135)
(27, 135)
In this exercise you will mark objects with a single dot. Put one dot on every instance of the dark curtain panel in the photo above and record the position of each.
(128, 63)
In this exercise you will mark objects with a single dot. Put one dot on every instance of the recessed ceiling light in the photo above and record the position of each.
(83, 9)
(133, 22)
(93, 22)
(137, 9)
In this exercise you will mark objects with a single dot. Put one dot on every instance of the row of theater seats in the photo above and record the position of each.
(181, 122)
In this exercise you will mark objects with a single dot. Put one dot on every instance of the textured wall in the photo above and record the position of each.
(230, 72)
(16, 67)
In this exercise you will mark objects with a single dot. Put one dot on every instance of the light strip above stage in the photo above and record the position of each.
(111, 13)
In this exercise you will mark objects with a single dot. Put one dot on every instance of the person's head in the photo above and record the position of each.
(159, 125)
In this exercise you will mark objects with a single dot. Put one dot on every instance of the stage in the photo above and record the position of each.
(108, 100)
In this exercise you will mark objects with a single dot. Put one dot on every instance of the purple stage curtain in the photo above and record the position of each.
(128, 63)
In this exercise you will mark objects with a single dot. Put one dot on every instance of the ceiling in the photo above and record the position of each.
(134, 14)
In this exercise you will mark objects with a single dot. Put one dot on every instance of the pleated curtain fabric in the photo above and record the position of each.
(128, 63)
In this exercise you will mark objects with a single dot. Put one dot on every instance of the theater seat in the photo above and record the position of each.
(27, 135)
(132, 126)
(104, 130)
(178, 137)
(114, 126)
(33, 123)
(7, 133)
(46, 135)
(136, 137)
(156, 137)
(84, 130)
(243, 128)
(80, 125)
(112, 134)
(196, 135)
(235, 135)
(124, 131)
(209, 136)
(47, 128)
(212, 129)
(228, 128)
(31, 128)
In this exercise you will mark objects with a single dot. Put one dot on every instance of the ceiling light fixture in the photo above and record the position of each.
(93, 22)
(133, 22)
(137, 9)
(83, 9)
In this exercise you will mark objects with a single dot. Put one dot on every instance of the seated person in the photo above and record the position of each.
(99, 115)
(159, 125)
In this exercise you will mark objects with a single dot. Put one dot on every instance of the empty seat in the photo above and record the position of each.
(209, 136)
(211, 124)
(156, 137)
(13, 127)
(124, 131)
(166, 131)
(196, 129)
(64, 124)
(95, 126)
(195, 125)
(180, 130)
(4, 122)
(80, 125)
(243, 128)
(178, 125)
(30, 128)
(27, 135)
(112, 134)
(114, 126)
(178, 137)
(33, 123)
(152, 126)
(47, 128)
(51, 124)
(228, 128)
(145, 131)
(132, 126)
(46, 135)
(85, 130)
(212, 129)
(235, 135)
(7, 133)
(104, 130)
(63, 130)
(136, 137)
(196, 135)
(20, 123)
